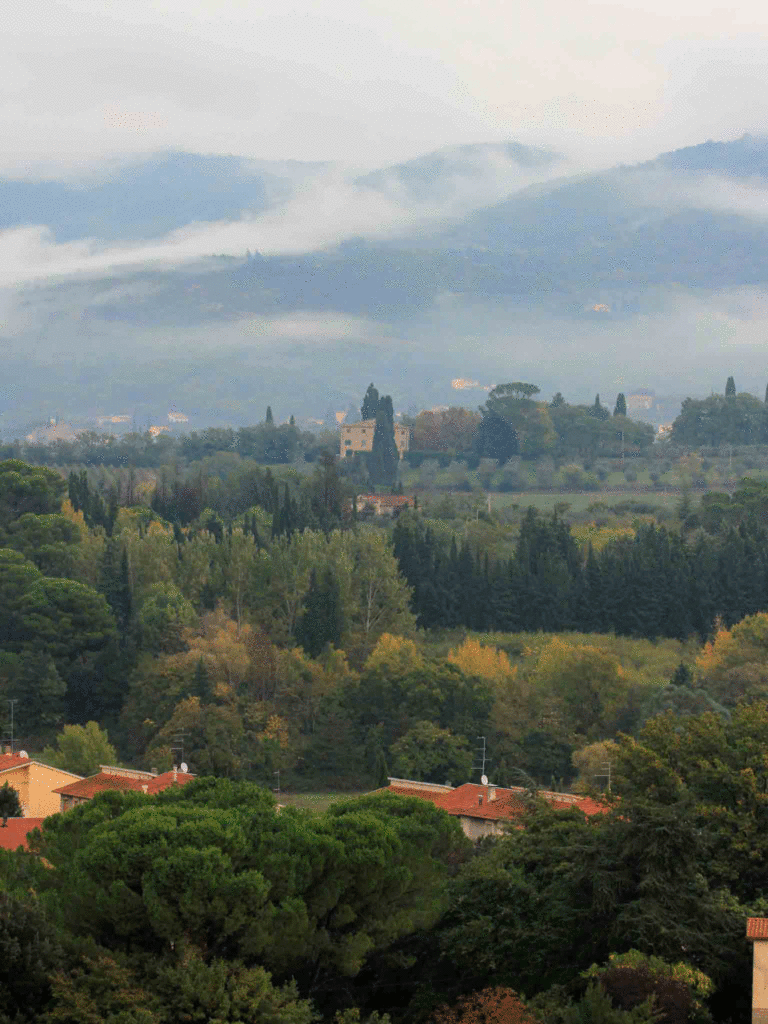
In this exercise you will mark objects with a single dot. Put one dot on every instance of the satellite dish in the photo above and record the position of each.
(484, 779)
(23, 753)
(183, 767)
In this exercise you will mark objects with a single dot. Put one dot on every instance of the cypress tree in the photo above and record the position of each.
(269, 420)
(383, 459)
(621, 405)
(322, 621)
(370, 404)
(730, 388)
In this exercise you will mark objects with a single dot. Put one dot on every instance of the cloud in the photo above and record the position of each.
(350, 80)
(322, 213)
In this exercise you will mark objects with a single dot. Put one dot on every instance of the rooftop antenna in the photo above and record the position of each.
(481, 753)
(12, 703)
(178, 739)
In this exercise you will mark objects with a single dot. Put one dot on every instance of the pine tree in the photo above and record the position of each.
(730, 388)
(270, 419)
(292, 421)
(10, 805)
(370, 405)
(621, 405)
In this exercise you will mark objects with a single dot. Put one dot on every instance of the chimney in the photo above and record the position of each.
(757, 933)
(480, 800)
(145, 788)
(175, 770)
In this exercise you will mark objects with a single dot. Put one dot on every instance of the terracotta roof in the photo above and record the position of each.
(385, 500)
(8, 761)
(169, 779)
(472, 800)
(757, 927)
(85, 789)
(15, 833)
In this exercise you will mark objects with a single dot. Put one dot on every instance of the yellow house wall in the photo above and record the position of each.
(35, 784)
(760, 982)
(361, 437)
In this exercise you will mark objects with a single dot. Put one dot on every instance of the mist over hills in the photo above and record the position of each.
(220, 285)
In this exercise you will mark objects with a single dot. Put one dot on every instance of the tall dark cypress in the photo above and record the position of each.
(322, 622)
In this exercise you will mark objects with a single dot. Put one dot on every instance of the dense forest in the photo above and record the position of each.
(257, 626)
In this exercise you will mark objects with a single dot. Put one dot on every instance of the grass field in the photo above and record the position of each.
(315, 802)
(579, 501)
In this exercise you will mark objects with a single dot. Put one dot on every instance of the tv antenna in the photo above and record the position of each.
(178, 739)
(12, 703)
(483, 758)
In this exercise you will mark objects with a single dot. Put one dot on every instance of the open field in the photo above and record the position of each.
(578, 502)
(315, 802)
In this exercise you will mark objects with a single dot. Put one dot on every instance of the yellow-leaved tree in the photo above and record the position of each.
(733, 668)
(397, 654)
(588, 686)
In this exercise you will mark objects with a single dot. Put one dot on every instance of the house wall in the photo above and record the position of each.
(35, 784)
(760, 982)
(478, 828)
(358, 437)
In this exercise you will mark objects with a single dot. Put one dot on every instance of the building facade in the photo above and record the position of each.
(358, 437)
(35, 783)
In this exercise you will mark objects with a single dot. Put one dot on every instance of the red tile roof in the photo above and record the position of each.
(8, 761)
(472, 800)
(85, 789)
(15, 833)
(386, 500)
(757, 927)
(423, 793)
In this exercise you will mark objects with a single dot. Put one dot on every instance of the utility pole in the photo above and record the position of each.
(607, 774)
(277, 773)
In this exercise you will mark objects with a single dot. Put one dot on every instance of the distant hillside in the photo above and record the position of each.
(435, 173)
(150, 198)
(581, 257)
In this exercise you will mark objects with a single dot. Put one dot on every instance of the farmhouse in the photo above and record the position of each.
(358, 437)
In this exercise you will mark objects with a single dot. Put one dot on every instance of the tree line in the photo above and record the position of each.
(653, 583)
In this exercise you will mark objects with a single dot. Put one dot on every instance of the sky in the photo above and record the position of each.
(372, 82)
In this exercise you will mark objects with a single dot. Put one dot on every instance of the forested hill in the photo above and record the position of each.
(503, 245)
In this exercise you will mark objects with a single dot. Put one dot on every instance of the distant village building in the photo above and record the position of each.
(487, 810)
(101, 420)
(118, 778)
(177, 417)
(34, 782)
(639, 400)
(358, 437)
(384, 504)
(155, 431)
(55, 431)
(757, 934)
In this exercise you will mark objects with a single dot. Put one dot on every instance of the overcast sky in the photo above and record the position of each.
(374, 81)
